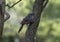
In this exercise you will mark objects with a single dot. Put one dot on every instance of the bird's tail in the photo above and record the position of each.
(20, 28)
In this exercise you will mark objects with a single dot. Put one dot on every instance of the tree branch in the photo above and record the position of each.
(37, 10)
(7, 16)
(44, 4)
(13, 4)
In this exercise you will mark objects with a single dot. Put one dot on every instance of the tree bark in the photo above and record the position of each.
(37, 10)
(2, 11)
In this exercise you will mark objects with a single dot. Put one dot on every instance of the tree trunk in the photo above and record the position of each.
(31, 31)
(2, 11)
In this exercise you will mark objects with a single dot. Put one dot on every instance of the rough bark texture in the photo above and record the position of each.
(37, 10)
(2, 10)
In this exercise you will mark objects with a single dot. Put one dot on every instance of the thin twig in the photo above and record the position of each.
(13, 4)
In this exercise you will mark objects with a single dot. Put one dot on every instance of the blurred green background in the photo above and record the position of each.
(49, 27)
